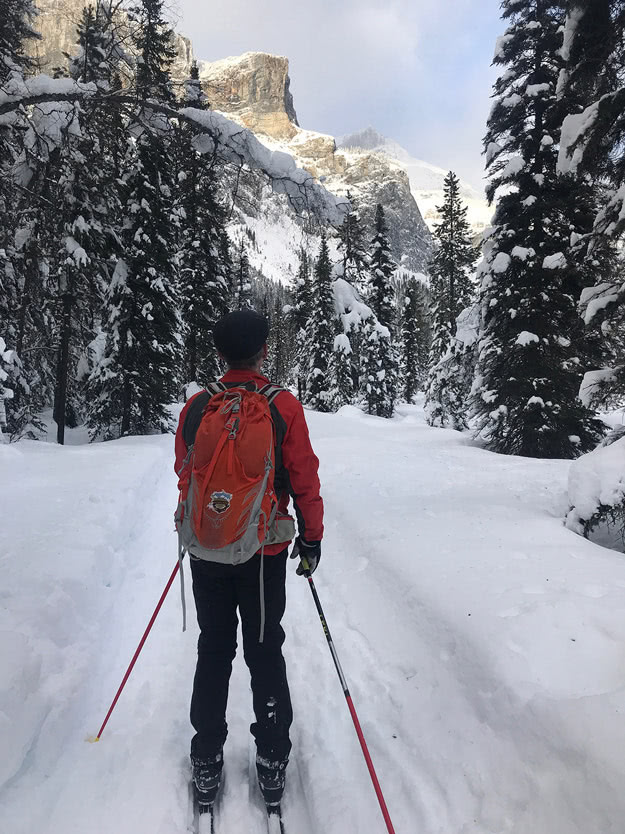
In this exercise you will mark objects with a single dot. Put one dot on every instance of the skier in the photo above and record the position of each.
(219, 589)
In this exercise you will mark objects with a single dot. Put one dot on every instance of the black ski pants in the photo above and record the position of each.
(220, 590)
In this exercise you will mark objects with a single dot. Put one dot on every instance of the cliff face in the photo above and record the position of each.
(254, 88)
(57, 23)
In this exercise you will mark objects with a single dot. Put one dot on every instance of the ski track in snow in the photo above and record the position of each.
(481, 641)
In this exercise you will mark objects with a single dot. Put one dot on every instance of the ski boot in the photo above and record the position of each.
(207, 777)
(271, 778)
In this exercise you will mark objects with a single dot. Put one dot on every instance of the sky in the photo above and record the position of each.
(418, 71)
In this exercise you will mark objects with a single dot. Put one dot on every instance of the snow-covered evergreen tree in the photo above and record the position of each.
(154, 42)
(381, 270)
(451, 267)
(378, 355)
(298, 314)
(137, 376)
(531, 343)
(225, 256)
(16, 31)
(203, 283)
(375, 350)
(320, 333)
(90, 211)
(451, 291)
(592, 92)
(242, 283)
(353, 250)
(340, 373)
(279, 359)
(449, 381)
(415, 337)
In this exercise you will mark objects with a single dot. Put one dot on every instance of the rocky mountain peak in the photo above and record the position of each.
(254, 88)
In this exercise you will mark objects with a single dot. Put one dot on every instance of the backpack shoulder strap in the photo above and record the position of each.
(196, 410)
(271, 391)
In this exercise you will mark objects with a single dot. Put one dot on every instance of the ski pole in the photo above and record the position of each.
(348, 698)
(138, 652)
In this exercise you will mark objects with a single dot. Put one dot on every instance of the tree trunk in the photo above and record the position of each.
(60, 400)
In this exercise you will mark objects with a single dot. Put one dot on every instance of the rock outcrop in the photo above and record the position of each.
(57, 23)
(255, 89)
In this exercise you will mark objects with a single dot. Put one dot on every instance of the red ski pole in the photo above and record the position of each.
(138, 652)
(348, 698)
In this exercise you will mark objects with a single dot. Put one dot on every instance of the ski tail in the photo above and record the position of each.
(275, 823)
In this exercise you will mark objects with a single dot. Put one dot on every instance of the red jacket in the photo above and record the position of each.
(299, 460)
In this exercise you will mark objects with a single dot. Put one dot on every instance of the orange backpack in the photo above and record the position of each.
(227, 504)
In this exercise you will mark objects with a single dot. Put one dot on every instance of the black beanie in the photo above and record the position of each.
(240, 335)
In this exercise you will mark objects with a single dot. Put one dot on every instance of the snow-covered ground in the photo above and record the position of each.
(482, 641)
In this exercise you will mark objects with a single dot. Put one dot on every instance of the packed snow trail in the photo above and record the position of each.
(481, 641)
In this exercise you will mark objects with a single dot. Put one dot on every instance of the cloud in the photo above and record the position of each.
(384, 30)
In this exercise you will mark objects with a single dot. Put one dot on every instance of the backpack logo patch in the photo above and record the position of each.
(220, 501)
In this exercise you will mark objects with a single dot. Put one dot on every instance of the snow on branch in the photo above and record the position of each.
(582, 132)
(227, 140)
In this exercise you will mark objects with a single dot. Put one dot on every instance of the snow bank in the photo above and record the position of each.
(596, 486)
(65, 552)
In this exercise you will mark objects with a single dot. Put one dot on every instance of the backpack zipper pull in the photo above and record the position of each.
(234, 426)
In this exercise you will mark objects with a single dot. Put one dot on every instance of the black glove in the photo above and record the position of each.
(311, 551)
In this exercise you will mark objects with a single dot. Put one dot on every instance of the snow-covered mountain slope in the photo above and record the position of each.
(482, 643)
(426, 181)
(254, 89)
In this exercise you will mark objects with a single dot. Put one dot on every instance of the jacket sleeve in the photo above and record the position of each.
(302, 466)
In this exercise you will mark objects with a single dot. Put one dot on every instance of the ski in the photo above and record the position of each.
(275, 823)
(206, 819)
(202, 815)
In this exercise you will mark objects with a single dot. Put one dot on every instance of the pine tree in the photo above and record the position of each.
(449, 381)
(203, 283)
(225, 256)
(278, 347)
(591, 92)
(415, 338)
(378, 356)
(352, 248)
(451, 267)
(340, 373)
(375, 349)
(299, 313)
(137, 376)
(242, 281)
(381, 270)
(154, 43)
(320, 333)
(528, 372)
(90, 215)
(16, 30)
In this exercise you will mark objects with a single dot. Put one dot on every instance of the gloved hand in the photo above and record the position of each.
(311, 551)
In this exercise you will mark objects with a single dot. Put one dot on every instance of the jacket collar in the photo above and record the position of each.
(244, 375)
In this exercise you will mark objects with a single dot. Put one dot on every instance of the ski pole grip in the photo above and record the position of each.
(305, 565)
